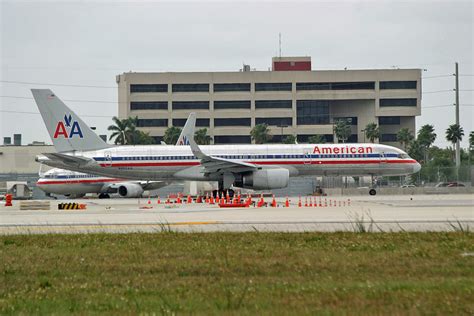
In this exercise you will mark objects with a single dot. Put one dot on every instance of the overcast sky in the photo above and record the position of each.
(89, 42)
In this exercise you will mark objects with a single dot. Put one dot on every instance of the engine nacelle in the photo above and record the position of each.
(265, 179)
(130, 190)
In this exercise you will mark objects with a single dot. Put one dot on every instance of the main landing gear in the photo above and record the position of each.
(104, 196)
(373, 185)
(222, 192)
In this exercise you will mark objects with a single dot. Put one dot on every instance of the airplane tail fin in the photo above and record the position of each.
(67, 131)
(187, 132)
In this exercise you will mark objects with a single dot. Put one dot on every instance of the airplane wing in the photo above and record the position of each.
(70, 160)
(216, 164)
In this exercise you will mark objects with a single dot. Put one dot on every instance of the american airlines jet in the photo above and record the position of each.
(258, 167)
(77, 184)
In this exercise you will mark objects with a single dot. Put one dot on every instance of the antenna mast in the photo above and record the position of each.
(279, 43)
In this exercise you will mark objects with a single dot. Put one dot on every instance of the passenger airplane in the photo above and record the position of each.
(76, 184)
(258, 167)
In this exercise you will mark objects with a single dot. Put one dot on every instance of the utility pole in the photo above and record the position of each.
(458, 145)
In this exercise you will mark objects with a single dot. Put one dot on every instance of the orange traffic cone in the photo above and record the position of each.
(330, 202)
(287, 202)
(158, 201)
(211, 199)
(149, 201)
(305, 202)
(189, 199)
(299, 202)
(274, 202)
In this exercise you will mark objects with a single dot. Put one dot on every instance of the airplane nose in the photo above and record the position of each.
(416, 167)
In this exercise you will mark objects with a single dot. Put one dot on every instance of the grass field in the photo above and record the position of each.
(238, 273)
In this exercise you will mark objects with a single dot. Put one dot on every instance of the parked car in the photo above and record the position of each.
(455, 184)
(408, 186)
(449, 185)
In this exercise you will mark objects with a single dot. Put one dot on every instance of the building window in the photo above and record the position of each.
(312, 112)
(231, 87)
(275, 121)
(190, 105)
(201, 122)
(152, 105)
(273, 86)
(157, 139)
(236, 121)
(138, 88)
(389, 120)
(364, 85)
(152, 122)
(273, 104)
(352, 139)
(190, 87)
(304, 138)
(397, 102)
(232, 139)
(397, 84)
(388, 137)
(221, 105)
(351, 120)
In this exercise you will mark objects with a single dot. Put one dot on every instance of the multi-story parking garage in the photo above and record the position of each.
(291, 98)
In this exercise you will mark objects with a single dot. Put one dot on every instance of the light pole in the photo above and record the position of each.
(282, 127)
(363, 131)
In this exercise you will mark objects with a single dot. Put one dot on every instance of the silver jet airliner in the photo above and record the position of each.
(258, 167)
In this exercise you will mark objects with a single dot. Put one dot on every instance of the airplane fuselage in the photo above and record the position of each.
(178, 162)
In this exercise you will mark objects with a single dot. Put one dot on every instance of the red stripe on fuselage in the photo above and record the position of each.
(79, 181)
(283, 162)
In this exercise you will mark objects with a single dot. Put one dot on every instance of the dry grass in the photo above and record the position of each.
(238, 273)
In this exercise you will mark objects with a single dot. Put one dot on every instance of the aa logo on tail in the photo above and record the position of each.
(68, 128)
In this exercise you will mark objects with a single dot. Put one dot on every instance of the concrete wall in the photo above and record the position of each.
(21, 159)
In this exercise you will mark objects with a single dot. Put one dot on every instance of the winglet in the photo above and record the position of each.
(67, 131)
(187, 133)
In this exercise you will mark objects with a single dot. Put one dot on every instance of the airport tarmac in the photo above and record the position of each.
(371, 213)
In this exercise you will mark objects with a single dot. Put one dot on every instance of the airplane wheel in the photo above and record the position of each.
(104, 196)
(372, 192)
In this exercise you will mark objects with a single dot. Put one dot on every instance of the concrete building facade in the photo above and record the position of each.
(291, 98)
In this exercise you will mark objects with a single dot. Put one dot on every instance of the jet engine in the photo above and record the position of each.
(265, 179)
(130, 190)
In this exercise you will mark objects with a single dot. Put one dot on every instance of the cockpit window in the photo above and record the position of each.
(403, 156)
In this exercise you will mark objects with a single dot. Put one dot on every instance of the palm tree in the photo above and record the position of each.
(317, 139)
(426, 138)
(260, 134)
(171, 135)
(372, 132)
(201, 137)
(404, 137)
(290, 139)
(121, 131)
(454, 133)
(342, 129)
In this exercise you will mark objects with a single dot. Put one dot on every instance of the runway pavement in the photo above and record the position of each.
(379, 213)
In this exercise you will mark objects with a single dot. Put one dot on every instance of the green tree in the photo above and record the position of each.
(260, 134)
(342, 129)
(404, 137)
(416, 150)
(426, 138)
(317, 139)
(121, 130)
(201, 137)
(171, 135)
(142, 138)
(372, 132)
(290, 139)
(454, 133)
